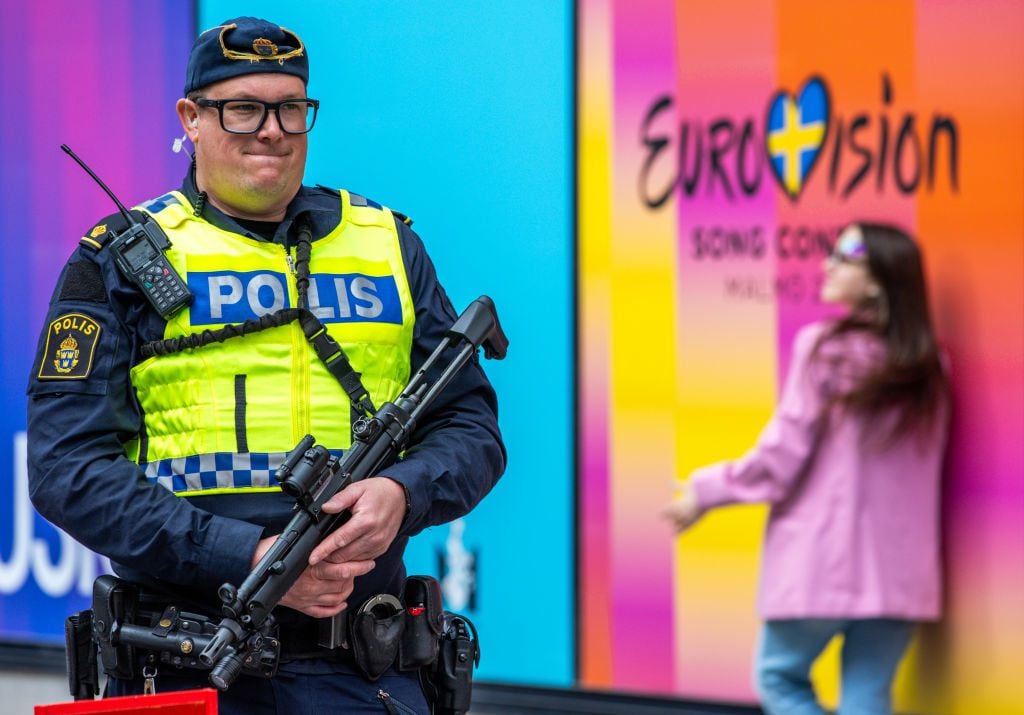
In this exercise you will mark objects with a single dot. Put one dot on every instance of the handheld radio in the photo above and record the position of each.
(138, 252)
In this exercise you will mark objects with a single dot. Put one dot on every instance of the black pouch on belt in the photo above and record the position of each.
(376, 634)
(421, 597)
(83, 671)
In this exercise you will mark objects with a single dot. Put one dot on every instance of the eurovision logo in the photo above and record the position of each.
(797, 127)
(723, 156)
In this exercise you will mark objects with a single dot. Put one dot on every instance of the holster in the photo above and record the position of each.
(80, 653)
(450, 681)
(443, 645)
(113, 603)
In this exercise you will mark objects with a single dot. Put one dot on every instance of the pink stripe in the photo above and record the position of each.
(644, 65)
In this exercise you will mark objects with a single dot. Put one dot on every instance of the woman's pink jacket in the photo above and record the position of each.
(854, 525)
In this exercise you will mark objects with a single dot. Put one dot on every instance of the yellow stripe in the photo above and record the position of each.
(228, 490)
(89, 240)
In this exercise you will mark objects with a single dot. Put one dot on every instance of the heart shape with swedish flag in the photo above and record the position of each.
(796, 134)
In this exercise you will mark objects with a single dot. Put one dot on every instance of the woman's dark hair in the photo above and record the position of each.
(911, 379)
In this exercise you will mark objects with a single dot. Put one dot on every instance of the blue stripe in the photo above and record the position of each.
(160, 203)
(221, 297)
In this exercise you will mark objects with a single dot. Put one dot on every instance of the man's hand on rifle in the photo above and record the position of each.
(378, 507)
(321, 590)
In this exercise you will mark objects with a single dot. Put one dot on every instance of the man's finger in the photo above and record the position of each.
(329, 571)
(343, 538)
(344, 499)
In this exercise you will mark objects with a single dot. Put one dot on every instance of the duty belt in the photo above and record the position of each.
(136, 633)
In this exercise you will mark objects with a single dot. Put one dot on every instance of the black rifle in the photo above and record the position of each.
(312, 476)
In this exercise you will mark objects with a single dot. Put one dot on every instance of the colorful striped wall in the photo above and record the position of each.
(699, 261)
(101, 76)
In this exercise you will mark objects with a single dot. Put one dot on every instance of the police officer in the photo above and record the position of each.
(165, 463)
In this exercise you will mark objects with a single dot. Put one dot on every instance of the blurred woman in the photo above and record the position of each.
(850, 463)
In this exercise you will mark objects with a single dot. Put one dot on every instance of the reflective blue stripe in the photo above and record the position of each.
(217, 470)
(160, 203)
(357, 200)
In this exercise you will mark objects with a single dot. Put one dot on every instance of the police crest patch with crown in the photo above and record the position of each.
(67, 355)
(263, 46)
(70, 346)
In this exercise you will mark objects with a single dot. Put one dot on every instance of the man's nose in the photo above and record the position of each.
(271, 126)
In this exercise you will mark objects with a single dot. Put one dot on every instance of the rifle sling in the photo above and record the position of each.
(325, 347)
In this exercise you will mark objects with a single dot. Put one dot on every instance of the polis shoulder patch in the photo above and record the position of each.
(71, 343)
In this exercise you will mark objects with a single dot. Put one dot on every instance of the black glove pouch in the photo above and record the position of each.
(376, 632)
(421, 597)
(83, 671)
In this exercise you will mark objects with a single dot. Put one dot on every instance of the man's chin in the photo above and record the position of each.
(257, 198)
(269, 186)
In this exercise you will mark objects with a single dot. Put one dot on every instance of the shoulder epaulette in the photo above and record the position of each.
(96, 238)
(327, 189)
(402, 217)
(358, 200)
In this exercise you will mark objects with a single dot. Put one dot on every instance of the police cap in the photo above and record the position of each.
(245, 45)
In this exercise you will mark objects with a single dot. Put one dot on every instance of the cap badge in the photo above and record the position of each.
(263, 46)
(98, 230)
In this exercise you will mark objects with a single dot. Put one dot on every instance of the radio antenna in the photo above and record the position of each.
(120, 206)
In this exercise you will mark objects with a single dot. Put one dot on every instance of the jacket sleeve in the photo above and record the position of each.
(456, 454)
(784, 449)
(81, 416)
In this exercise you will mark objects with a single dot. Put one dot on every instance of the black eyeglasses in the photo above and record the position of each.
(246, 116)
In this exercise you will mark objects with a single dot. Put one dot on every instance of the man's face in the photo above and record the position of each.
(249, 175)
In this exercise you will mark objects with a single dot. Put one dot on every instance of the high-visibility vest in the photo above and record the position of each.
(220, 418)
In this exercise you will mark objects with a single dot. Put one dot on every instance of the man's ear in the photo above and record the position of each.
(188, 115)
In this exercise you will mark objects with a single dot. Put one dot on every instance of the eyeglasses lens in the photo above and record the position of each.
(245, 117)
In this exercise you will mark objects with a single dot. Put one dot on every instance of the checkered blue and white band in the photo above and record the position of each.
(218, 470)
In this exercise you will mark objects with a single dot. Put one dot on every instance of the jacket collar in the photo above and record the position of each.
(322, 209)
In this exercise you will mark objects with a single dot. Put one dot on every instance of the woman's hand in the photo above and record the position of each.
(684, 511)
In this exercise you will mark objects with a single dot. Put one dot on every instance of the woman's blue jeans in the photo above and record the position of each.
(872, 648)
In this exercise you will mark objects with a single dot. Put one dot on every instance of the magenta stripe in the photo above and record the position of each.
(644, 51)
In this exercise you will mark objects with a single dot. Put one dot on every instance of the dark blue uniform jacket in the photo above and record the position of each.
(81, 481)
